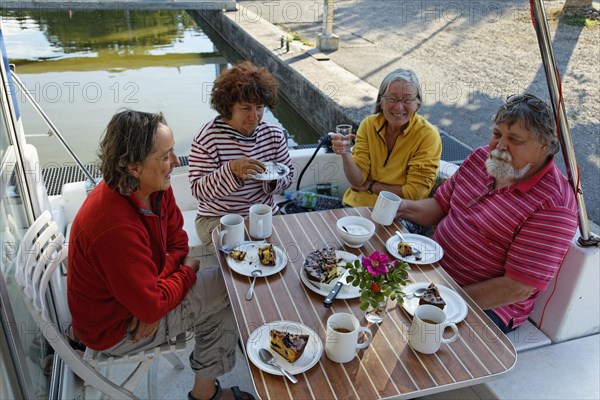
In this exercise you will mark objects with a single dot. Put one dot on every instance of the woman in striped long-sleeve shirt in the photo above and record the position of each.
(507, 216)
(234, 146)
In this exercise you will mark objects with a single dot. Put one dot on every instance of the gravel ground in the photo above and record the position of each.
(469, 56)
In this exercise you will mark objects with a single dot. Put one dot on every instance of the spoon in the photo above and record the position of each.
(346, 229)
(256, 273)
(280, 168)
(417, 293)
(266, 357)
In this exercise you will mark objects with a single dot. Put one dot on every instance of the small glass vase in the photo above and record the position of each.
(375, 315)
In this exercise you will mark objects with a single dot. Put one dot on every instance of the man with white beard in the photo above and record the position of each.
(507, 216)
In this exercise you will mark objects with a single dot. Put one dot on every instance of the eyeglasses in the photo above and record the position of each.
(393, 101)
(531, 101)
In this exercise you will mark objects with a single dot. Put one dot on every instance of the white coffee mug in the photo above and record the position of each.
(232, 231)
(261, 221)
(385, 208)
(341, 341)
(427, 331)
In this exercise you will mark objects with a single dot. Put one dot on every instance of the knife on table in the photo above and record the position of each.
(336, 289)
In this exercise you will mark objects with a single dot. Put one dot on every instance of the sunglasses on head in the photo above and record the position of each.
(533, 102)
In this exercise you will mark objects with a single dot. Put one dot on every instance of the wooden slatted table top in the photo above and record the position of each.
(389, 367)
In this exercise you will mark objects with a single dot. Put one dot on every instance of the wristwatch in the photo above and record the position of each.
(370, 188)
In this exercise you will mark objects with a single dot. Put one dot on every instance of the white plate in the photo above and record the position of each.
(260, 338)
(456, 308)
(430, 251)
(251, 261)
(346, 292)
(271, 172)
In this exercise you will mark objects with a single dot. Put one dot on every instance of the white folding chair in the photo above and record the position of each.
(42, 251)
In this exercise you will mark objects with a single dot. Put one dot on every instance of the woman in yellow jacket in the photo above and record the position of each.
(396, 149)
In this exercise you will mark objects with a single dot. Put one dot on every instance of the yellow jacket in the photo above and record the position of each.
(413, 162)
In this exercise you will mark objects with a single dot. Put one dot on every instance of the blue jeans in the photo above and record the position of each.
(498, 322)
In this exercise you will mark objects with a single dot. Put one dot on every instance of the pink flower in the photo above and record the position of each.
(376, 263)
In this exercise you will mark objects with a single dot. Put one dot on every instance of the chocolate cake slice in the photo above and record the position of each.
(322, 265)
(432, 296)
(288, 345)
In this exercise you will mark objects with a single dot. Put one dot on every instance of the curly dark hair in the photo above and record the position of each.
(128, 138)
(245, 82)
(536, 116)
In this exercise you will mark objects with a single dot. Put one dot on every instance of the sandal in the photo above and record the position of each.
(237, 393)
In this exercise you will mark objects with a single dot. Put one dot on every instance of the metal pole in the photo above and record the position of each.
(328, 17)
(326, 40)
(53, 128)
(552, 76)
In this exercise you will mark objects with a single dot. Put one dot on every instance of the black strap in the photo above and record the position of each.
(237, 393)
(322, 140)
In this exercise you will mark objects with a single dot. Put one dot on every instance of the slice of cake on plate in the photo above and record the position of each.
(321, 266)
(404, 249)
(238, 255)
(432, 296)
(290, 346)
(266, 255)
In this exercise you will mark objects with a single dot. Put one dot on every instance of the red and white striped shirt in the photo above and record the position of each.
(213, 183)
(522, 231)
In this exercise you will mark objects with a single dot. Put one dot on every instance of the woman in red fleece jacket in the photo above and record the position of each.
(131, 285)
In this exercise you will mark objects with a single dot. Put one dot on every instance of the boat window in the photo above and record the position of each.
(24, 354)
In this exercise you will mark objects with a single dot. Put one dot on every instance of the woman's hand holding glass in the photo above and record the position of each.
(342, 143)
(245, 167)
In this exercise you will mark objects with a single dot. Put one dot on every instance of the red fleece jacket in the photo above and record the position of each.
(124, 261)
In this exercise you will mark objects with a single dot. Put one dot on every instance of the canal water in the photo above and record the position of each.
(83, 66)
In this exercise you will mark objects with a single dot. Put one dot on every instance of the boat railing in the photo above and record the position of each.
(53, 129)
(588, 238)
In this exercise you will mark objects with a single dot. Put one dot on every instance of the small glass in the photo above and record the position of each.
(345, 130)
(376, 315)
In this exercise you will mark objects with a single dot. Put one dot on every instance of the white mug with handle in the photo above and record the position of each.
(261, 221)
(427, 330)
(385, 208)
(341, 341)
(232, 231)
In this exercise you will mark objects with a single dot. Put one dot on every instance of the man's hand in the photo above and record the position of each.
(143, 330)
(244, 168)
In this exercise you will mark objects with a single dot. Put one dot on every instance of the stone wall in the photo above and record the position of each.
(314, 88)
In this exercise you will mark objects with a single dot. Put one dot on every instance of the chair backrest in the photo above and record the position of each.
(28, 243)
(41, 253)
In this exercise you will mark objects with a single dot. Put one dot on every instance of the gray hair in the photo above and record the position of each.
(128, 138)
(399, 75)
(536, 115)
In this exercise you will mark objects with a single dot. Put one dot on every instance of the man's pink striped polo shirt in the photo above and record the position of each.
(522, 230)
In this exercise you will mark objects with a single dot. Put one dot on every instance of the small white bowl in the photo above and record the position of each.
(358, 230)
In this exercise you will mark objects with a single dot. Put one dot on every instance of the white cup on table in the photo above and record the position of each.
(261, 221)
(232, 231)
(341, 341)
(385, 208)
(427, 331)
